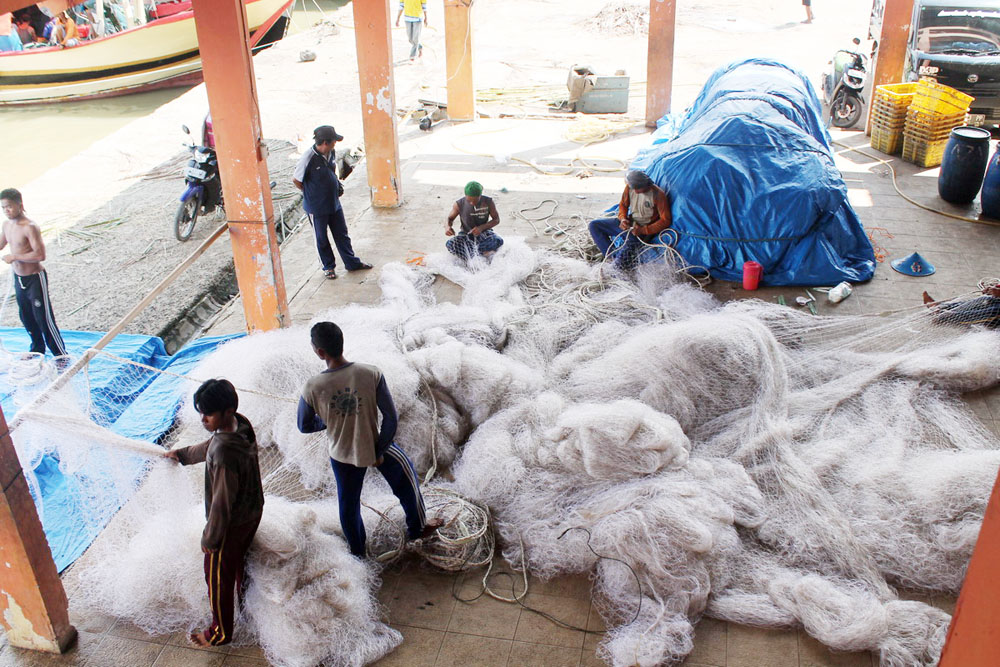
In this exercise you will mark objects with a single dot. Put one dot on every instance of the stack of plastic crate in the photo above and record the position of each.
(888, 115)
(934, 112)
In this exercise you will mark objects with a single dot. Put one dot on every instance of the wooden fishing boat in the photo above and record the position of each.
(159, 54)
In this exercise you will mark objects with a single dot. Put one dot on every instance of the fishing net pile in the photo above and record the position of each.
(747, 461)
(620, 17)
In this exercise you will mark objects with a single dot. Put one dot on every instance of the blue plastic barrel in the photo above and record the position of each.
(964, 163)
(991, 188)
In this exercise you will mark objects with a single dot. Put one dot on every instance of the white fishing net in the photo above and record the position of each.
(308, 600)
(746, 461)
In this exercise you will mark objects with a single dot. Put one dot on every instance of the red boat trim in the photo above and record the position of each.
(180, 16)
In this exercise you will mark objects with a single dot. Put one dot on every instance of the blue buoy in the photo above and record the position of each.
(964, 164)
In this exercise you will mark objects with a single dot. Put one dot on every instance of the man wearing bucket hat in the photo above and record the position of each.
(478, 216)
(643, 212)
(316, 176)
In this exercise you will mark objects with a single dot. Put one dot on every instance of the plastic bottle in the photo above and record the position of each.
(839, 293)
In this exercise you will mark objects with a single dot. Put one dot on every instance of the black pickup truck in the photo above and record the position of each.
(957, 43)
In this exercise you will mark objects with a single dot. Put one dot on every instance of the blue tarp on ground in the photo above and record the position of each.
(751, 176)
(135, 402)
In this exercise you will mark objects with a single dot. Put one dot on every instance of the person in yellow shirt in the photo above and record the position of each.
(414, 13)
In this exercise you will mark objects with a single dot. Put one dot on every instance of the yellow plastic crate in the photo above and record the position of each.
(888, 141)
(896, 91)
(935, 97)
(889, 108)
(929, 135)
(895, 95)
(932, 119)
(923, 153)
(887, 122)
(931, 127)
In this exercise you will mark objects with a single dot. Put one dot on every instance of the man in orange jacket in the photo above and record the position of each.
(643, 212)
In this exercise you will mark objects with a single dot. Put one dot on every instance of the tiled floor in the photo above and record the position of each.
(438, 629)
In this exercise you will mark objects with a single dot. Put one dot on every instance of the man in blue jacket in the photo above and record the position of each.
(316, 176)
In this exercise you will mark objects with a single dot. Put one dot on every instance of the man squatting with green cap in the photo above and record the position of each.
(478, 215)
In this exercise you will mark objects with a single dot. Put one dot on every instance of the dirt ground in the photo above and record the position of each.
(105, 263)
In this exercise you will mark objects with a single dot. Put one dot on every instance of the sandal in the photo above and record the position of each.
(330, 274)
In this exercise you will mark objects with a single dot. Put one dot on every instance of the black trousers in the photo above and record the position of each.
(36, 313)
(337, 226)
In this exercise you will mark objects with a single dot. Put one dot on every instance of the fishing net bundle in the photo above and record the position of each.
(620, 18)
(308, 600)
(746, 461)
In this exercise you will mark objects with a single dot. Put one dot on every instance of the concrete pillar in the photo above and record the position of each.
(660, 59)
(458, 58)
(974, 634)
(33, 606)
(373, 41)
(892, 45)
(232, 98)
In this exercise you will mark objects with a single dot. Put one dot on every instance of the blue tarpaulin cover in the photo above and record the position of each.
(136, 403)
(751, 176)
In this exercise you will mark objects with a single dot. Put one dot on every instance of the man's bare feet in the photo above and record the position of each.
(431, 527)
(928, 299)
(198, 639)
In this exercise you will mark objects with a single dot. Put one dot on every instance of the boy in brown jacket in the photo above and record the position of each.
(234, 501)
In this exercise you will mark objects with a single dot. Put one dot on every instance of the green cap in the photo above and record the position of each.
(473, 189)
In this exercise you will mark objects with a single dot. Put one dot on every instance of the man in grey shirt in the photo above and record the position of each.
(344, 400)
(478, 216)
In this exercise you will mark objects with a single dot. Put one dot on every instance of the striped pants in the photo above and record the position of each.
(398, 470)
(225, 571)
(33, 304)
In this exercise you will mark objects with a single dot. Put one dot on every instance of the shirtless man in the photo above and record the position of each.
(983, 310)
(31, 285)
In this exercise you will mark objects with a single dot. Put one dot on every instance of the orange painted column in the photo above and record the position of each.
(373, 41)
(660, 59)
(33, 606)
(232, 98)
(458, 59)
(892, 43)
(974, 635)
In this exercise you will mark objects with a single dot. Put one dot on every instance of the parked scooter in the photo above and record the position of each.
(843, 86)
(204, 188)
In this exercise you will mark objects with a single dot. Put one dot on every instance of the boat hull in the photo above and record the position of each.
(108, 66)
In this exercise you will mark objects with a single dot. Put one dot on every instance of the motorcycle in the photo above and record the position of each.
(843, 86)
(203, 193)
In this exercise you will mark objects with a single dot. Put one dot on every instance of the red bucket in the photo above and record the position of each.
(752, 272)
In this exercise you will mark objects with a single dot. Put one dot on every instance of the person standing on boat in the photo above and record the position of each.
(31, 284)
(316, 176)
